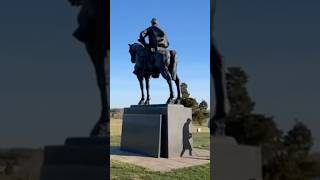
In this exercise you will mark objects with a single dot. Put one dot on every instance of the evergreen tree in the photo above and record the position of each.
(200, 111)
(244, 125)
(184, 90)
(238, 96)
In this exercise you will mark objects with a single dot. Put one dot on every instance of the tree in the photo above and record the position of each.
(203, 105)
(292, 159)
(298, 140)
(284, 156)
(238, 96)
(200, 111)
(184, 90)
(241, 123)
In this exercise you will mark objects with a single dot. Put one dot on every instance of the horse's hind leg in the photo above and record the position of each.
(177, 81)
(100, 65)
(140, 78)
(147, 79)
(166, 75)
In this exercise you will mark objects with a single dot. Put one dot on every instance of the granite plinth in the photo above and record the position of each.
(162, 128)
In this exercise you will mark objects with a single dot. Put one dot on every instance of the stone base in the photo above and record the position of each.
(232, 161)
(79, 158)
(156, 130)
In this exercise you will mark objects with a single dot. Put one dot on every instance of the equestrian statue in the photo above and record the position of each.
(152, 59)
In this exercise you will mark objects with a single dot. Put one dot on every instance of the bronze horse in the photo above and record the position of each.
(92, 31)
(148, 64)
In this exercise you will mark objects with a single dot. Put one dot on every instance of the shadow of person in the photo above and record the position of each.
(186, 135)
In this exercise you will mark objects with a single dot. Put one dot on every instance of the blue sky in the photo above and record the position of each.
(187, 25)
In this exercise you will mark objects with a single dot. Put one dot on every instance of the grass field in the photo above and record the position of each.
(124, 171)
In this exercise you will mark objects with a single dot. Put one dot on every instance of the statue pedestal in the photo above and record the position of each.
(156, 130)
(232, 161)
(79, 158)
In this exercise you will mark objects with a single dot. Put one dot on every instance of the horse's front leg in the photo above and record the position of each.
(147, 79)
(140, 78)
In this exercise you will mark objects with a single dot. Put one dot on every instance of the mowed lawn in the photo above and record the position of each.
(125, 171)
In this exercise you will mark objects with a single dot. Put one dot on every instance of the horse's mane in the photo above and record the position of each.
(137, 45)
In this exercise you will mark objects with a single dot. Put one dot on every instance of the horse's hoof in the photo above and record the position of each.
(141, 102)
(170, 101)
(147, 102)
(177, 101)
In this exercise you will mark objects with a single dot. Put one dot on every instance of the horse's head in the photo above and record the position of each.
(76, 2)
(136, 50)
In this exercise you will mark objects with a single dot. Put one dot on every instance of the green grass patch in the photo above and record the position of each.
(201, 140)
(124, 171)
(115, 140)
